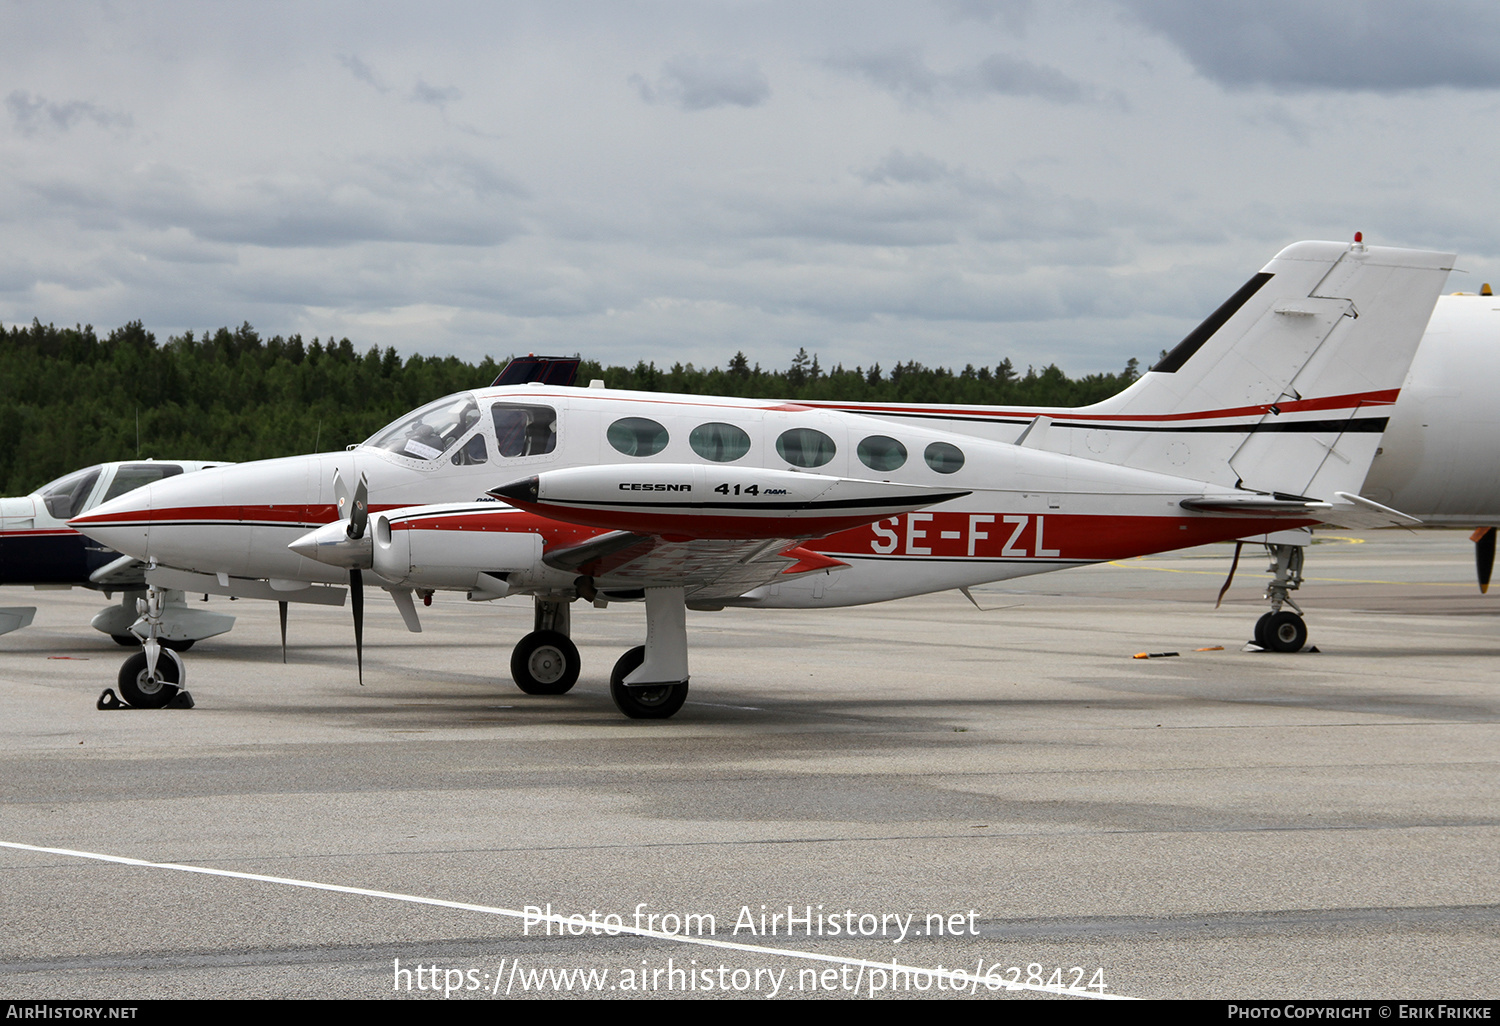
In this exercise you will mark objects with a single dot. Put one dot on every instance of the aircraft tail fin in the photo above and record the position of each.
(1287, 386)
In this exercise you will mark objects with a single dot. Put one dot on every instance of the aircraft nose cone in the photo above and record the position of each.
(124, 524)
(520, 491)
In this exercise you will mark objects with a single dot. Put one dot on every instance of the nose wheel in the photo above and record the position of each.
(144, 688)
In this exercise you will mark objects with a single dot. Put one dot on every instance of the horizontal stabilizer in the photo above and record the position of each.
(1259, 506)
(1362, 514)
(1351, 511)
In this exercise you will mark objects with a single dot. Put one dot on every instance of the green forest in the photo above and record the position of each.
(70, 397)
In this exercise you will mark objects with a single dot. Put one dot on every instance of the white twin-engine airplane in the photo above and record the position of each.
(1264, 418)
(39, 549)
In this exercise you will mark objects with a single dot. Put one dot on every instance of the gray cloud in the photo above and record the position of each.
(434, 96)
(904, 73)
(362, 71)
(1381, 46)
(693, 83)
(31, 114)
(445, 200)
(1014, 14)
(904, 168)
(423, 92)
(1013, 76)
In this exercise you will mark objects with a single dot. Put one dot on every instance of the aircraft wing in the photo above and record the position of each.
(122, 573)
(717, 532)
(709, 569)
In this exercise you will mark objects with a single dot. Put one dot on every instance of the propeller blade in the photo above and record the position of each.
(357, 601)
(283, 630)
(1484, 555)
(359, 515)
(341, 495)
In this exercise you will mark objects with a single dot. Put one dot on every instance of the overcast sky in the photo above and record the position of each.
(956, 181)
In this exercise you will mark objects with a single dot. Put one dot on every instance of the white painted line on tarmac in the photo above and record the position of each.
(974, 980)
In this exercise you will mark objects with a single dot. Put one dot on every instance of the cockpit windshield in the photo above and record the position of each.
(65, 497)
(431, 431)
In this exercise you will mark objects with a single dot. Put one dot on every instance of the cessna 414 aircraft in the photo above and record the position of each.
(1265, 417)
(38, 548)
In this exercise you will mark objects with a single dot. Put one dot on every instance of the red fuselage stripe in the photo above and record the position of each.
(1384, 397)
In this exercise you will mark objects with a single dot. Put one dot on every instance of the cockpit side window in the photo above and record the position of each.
(431, 431)
(64, 498)
(472, 453)
(134, 475)
(524, 430)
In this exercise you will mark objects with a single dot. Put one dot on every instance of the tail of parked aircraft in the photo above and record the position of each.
(1288, 385)
(1285, 388)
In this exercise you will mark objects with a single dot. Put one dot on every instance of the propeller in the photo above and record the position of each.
(1484, 555)
(355, 512)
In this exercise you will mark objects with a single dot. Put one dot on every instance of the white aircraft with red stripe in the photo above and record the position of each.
(1266, 417)
(39, 549)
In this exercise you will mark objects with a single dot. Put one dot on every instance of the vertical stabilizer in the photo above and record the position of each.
(1287, 386)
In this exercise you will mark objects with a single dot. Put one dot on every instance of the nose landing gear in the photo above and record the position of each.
(153, 678)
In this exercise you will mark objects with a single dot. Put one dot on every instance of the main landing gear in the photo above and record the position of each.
(649, 682)
(546, 661)
(1280, 630)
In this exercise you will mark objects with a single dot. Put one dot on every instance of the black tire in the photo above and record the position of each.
(1285, 632)
(545, 663)
(126, 640)
(143, 693)
(1260, 629)
(654, 702)
(177, 646)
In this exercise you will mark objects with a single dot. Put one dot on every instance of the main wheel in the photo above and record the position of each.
(143, 692)
(1285, 632)
(1260, 630)
(652, 702)
(545, 663)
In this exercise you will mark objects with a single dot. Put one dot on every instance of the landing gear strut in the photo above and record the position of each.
(650, 682)
(180, 624)
(152, 677)
(1279, 630)
(546, 662)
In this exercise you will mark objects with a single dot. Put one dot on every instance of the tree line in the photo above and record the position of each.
(70, 397)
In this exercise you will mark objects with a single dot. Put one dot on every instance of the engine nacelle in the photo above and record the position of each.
(452, 549)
